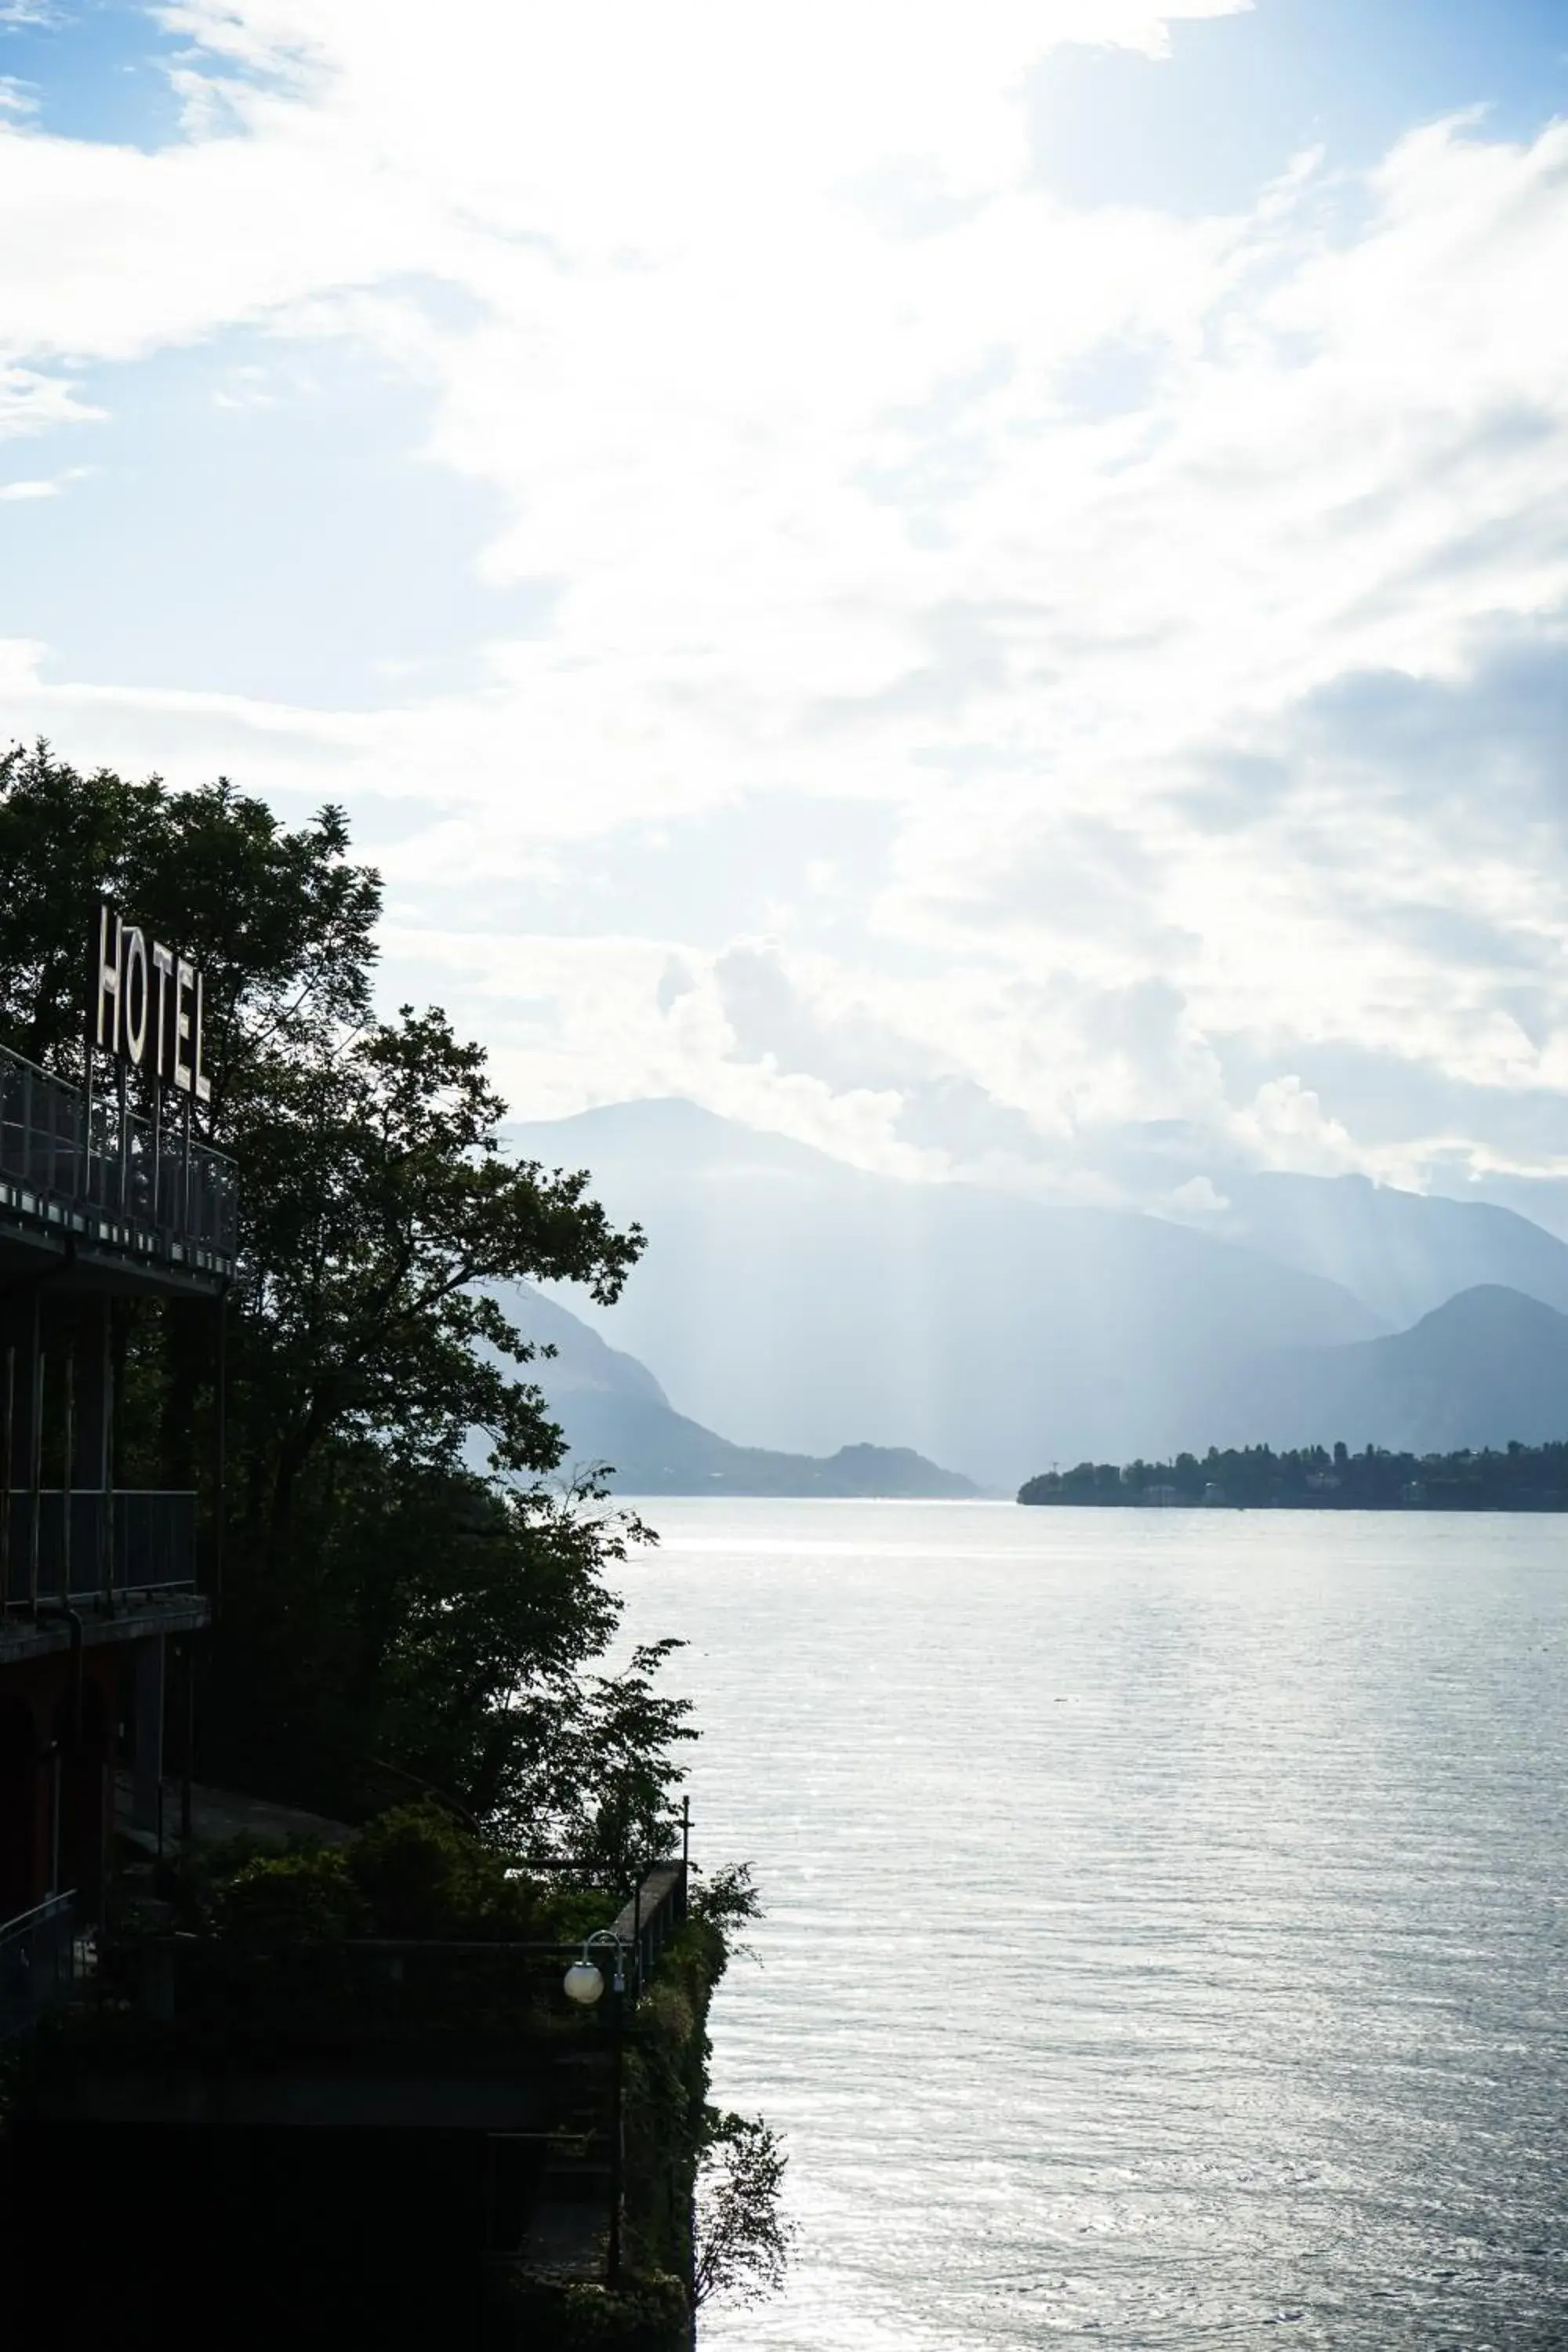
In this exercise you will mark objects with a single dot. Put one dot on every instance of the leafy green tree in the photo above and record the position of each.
(395, 1616)
(743, 2235)
(281, 922)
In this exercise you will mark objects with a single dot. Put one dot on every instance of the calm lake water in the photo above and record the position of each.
(1167, 1916)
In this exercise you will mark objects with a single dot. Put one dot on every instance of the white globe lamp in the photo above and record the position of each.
(584, 1980)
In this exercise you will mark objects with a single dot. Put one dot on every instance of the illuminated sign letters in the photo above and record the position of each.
(147, 1005)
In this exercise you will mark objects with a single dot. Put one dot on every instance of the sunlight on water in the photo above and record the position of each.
(1167, 1933)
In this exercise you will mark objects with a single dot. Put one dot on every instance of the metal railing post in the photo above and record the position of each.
(35, 1454)
(106, 1455)
(158, 1156)
(66, 1487)
(5, 1502)
(85, 1184)
(220, 1435)
(617, 2134)
(125, 1139)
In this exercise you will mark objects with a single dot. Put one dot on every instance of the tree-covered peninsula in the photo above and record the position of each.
(1313, 1478)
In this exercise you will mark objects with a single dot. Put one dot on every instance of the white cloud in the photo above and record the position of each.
(1196, 1201)
(772, 354)
(42, 486)
(32, 402)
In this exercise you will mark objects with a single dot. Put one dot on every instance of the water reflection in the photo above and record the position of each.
(1167, 1936)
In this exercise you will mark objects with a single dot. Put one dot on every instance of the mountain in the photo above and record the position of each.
(1485, 1366)
(612, 1409)
(583, 1364)
(787, 1297)
(1400, 1254)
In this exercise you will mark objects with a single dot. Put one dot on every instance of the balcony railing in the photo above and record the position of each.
(37, 1962)
(93, 1168)
(332, 1991)
(92, 1547)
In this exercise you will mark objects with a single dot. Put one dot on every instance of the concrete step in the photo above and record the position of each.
(566, 2238)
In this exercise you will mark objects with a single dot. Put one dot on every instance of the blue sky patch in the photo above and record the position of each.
(1203, 130)
(95, 70)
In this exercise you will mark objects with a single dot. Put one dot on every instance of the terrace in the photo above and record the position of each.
(82, 1168)
(483, 2067)
(86, 1547)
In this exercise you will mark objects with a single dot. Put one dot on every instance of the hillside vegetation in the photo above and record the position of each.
(1254, 1477)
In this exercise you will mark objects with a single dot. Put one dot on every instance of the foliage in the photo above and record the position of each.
(281, 923)
(729, 1899)
(743, 2237)
(416, 1872)
(390, 1607)
(648, 2314)
(293, 1898)
(422, 1873)
(1311, 1478)
(605, 1748)
(725, 1903)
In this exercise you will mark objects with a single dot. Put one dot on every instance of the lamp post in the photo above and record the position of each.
(584, 1983)
(584, 1979)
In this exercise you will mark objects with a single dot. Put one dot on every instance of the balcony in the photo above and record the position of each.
(111, 1177)
(88, 1547)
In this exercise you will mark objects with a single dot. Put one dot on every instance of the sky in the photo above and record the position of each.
(985, 586)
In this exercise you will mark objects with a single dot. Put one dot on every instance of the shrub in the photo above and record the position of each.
(650, 2314)
(292, 1899)
(423, 1873)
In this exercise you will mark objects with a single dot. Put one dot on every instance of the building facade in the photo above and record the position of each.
(106, 1198)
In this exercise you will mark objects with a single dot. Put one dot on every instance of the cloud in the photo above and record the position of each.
(33, 402)
(1196, 1201)
(772, 1017)
(22, 492)
(1179, 597)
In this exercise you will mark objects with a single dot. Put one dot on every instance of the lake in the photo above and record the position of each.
(1167, 1916)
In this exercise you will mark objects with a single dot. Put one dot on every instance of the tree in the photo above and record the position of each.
(744, 2236)
(406, 1598)
(281, 921)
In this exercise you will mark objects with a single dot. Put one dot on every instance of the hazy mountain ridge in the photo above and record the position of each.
(786, 1298)
(583, 1360)
(1402, 1254)
(612, 1409)
(1485, 1366)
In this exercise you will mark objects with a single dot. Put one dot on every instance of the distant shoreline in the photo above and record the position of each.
(1537, 1508)
(1316, 1478)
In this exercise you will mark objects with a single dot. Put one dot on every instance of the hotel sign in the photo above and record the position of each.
(147, 1002)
